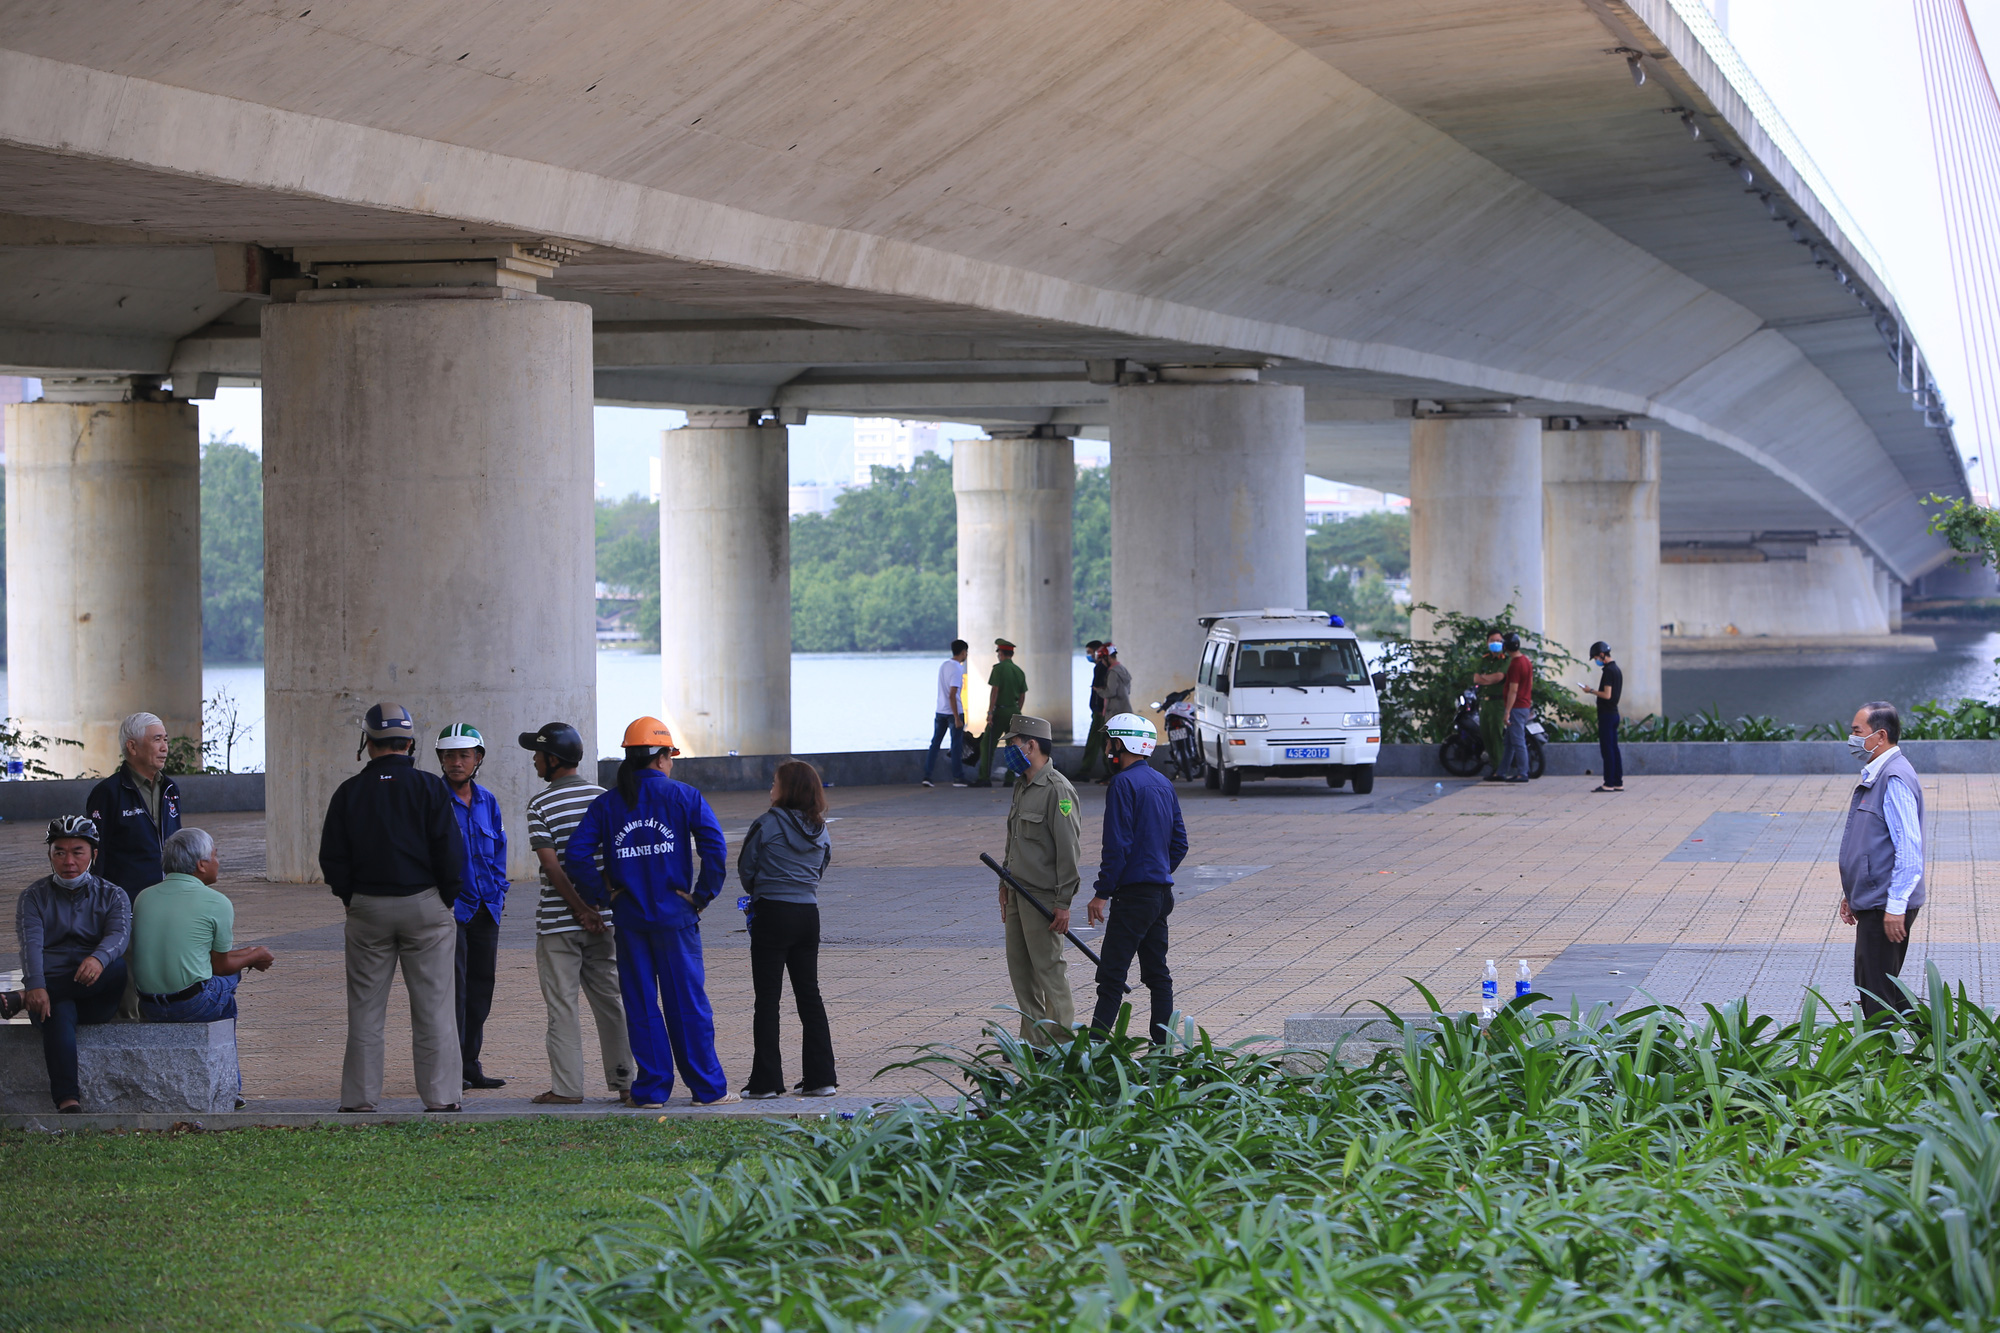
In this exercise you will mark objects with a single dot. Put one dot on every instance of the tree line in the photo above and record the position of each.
(877, 574)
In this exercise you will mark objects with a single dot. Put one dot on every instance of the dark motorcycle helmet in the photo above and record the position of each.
(558, 740)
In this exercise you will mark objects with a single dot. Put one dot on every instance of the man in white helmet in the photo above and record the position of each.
(460, 751)
(1145, 841)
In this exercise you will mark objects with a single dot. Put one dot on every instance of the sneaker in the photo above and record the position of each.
(1514, 781)
(828, 1091)
(726, 1099)
(929, 783)
(961, 784)
(750, 1096)
(13, 1002)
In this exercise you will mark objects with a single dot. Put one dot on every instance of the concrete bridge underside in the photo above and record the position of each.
(1044, 217)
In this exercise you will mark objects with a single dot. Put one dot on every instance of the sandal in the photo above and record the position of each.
(554, 1098)
(12, 1002)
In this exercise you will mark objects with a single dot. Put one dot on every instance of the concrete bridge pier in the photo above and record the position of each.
(1208, 470)
(1601, 553)
(1476, 516)
(1015, 497)
(103, 564)
(428, 479)
(726, 585)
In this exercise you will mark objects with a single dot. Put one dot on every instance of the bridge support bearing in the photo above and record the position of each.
(104, 565)
(726, 585)
(1601, 553)
(1476, 517)
(428, 480)
(1207, 500)
(1015, 581)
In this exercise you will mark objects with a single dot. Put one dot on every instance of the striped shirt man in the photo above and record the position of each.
(553, 815)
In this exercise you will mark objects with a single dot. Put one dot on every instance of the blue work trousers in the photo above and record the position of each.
(659, 968)
(1517, 743)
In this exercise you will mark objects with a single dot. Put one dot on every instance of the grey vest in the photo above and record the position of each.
(1867, 856)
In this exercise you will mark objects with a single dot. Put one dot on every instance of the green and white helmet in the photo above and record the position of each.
(461, 736)
(1137, 734)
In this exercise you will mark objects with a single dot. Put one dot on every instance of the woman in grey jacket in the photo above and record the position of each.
(783, 856)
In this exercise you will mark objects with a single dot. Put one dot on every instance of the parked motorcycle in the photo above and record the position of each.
(1463, 753)
(1184, 760)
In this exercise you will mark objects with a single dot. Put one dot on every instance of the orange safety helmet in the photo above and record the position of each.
(650, 731)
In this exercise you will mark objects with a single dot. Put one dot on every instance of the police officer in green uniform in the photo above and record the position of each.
(1009, 690)
(1044, 830)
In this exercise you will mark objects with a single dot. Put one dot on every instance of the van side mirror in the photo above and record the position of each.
(1379, 680)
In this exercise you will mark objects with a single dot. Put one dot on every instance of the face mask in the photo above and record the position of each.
(1858, 747)
(1493, 647)
(1017, 763)
(72, 883)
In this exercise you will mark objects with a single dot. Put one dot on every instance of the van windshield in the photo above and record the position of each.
(1276, 663)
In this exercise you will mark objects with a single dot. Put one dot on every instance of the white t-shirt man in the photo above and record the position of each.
(951, 676)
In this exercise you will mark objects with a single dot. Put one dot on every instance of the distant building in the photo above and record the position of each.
(1338, 501)
(815, 497)
(883, 442)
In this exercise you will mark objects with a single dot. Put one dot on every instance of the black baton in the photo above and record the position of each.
(1047, 915)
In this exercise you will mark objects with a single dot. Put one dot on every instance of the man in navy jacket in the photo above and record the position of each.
(1145, 841)
(136, 809)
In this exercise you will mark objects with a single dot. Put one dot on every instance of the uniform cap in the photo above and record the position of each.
(1002, 643)
(73, 826)
(558, 740)
(1023, 725)
(649, 732)
(461, 736)
(389, 722)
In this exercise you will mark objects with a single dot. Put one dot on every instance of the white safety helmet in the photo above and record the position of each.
(1137, 734)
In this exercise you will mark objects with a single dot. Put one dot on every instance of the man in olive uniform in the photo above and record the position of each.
(1044, 829)
(1009, 691)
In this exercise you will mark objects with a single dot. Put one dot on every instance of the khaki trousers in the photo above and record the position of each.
(566, 962)
(419, 933)
(1040, 973)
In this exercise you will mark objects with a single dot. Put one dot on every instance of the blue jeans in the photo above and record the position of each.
(946, 722)
(69, 1005)
(1517, 743)
(215, 1000)
(1607, 746)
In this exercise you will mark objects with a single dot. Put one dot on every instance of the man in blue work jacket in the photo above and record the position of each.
(646, 832)
(1144, 843)
(481, 899)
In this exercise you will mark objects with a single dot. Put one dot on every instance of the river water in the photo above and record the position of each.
(884, 701)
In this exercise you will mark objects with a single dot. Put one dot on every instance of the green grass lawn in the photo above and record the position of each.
(257, 1229)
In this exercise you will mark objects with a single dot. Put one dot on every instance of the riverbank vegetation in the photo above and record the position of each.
(1652, 1171)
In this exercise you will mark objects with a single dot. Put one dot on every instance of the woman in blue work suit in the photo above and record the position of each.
(648, 831)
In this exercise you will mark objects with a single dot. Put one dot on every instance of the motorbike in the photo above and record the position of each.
(1184, 761)
(1463, 753)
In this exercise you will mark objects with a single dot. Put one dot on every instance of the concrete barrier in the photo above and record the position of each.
(127, 1067)
(854, 768)
(201, 793)
(1667, 758)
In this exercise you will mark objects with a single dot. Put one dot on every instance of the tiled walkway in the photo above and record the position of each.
(1295, 899)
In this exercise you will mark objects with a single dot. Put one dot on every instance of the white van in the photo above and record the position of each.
(1285, 694)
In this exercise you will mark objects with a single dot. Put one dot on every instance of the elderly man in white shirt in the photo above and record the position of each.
(1882, 857)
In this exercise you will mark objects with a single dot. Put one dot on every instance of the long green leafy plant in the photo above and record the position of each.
(1426, 676)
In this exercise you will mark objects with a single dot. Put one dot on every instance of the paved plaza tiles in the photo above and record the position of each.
(1295, 899)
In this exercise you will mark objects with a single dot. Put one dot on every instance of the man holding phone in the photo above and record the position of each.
(1609, 688)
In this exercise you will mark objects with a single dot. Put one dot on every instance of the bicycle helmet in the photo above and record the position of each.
(73, 826)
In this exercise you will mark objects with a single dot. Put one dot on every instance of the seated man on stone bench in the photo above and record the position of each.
(73, 929)
(182, 964)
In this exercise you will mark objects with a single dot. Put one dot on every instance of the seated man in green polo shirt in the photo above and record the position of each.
(182, 964)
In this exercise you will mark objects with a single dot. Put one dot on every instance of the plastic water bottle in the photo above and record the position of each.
(1524, 980)
(16, 770)
(743, 905)
(1489, 990)
(1437, 789)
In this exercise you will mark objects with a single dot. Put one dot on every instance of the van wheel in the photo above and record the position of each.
(1336, 780)
(1211, 777)
(1363, 776)
(1232, 781)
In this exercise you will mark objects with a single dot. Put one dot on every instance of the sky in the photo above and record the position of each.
(1845, 76)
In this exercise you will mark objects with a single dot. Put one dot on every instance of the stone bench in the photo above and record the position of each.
(158, 1067)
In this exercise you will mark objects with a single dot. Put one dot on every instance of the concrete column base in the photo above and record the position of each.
(1601, 553)
(428, 539)
(1476, 518)
(1207, 515)
(726, 586)
(1015, 565)
(103, 573)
